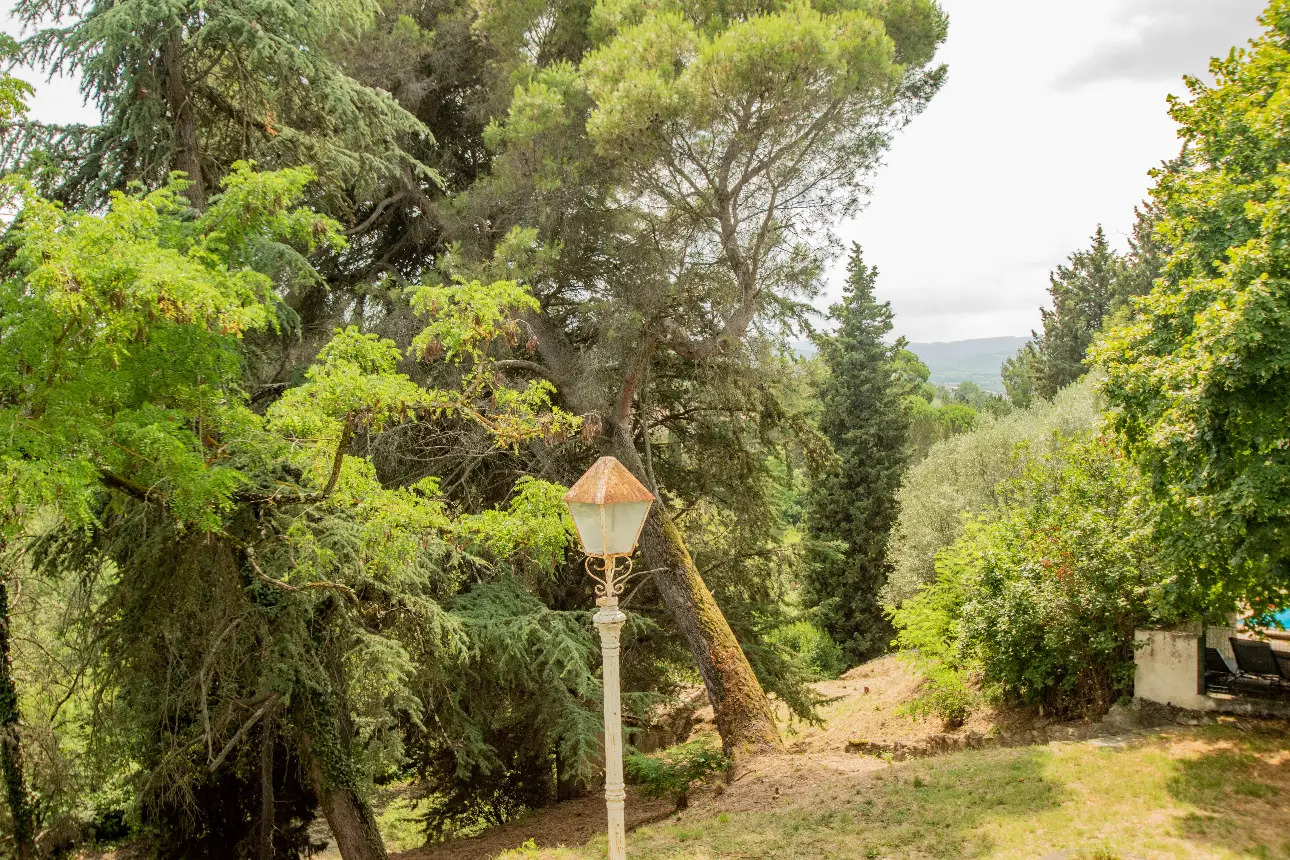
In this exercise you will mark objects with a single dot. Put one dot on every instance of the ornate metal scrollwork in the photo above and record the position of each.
(610, 577)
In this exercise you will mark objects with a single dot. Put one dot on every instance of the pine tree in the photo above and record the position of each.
(666, 220)
(1148, 251)
(195, 86)
(1085, 292)
(852, 507)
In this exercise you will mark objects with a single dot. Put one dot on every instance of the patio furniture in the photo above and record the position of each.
(1283, 663)
(1256, 659)
(1218, 675)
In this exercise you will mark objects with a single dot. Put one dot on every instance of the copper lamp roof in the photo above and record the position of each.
(608, 482)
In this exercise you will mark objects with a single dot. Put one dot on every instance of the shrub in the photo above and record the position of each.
(1066, 574)
(929, 636)
(960, 475)
(673, 772)
(1042, 600)
(812, 648)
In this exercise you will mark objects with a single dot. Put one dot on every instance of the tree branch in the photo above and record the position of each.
(242, 730)
(286, 586)
(521, 364)
(125, 485)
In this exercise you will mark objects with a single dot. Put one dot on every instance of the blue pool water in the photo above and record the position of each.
(1281, 615)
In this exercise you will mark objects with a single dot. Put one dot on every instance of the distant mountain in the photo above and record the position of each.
(977, 360)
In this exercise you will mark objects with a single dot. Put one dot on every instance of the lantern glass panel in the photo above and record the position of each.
(609, 529)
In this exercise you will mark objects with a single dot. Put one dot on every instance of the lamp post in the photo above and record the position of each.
(609, 506)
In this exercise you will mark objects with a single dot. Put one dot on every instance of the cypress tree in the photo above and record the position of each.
(852, 506)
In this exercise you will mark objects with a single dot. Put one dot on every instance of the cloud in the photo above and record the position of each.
(1165, 39)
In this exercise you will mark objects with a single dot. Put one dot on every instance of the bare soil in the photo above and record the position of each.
(864, 705)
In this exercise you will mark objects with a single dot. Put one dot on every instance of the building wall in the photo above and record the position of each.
(1167, 668)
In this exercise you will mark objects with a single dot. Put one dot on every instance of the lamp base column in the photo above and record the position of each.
(609, 622)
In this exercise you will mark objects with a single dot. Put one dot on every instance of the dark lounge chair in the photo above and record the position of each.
(1219, 675)
(1283, 663)
(1256, 659)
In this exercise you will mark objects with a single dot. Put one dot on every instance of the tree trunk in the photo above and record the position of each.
(348, 815)
(264, 829)
(187, 156)
(24, 829)
(743, 713)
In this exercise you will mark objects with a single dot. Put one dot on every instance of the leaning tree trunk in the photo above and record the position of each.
(24, 828)
(744, 716)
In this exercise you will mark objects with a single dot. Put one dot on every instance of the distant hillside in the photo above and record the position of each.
(977, 360)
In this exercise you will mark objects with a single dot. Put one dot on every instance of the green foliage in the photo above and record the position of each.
(960, 477)
(936, 414)
(96, 310)
(13, 91)
(1020, 373)
(515, 715)
(932, 421)
(1083, 294)
(323, 597)
(928, 634)
(196, 86)
(972, 395)
(1087, 294)
(675, 771)
(1040, 599)
(852, 506)
(1199, 376)
(653, 171)
(1067, 571)
(322, 479)
(812, 648)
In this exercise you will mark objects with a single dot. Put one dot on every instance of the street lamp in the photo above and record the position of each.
(609, 506)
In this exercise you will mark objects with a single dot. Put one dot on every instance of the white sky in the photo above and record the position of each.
(1051, 118)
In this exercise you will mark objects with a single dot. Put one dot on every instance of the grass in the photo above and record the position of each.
(1215, 792)
(400, 820)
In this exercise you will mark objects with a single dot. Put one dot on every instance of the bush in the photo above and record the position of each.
(929, 636)
(1041, 601)
(960, 475)
(673, 772)
(812, 648)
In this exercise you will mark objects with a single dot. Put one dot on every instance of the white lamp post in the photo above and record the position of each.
(609, 507)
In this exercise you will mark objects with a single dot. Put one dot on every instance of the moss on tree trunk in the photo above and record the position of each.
(743, 713)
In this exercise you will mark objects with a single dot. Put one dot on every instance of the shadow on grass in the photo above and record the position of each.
(913, 809)
(1241, 796)
(943, 808)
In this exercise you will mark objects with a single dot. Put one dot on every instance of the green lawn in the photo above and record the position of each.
(1215, 792)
